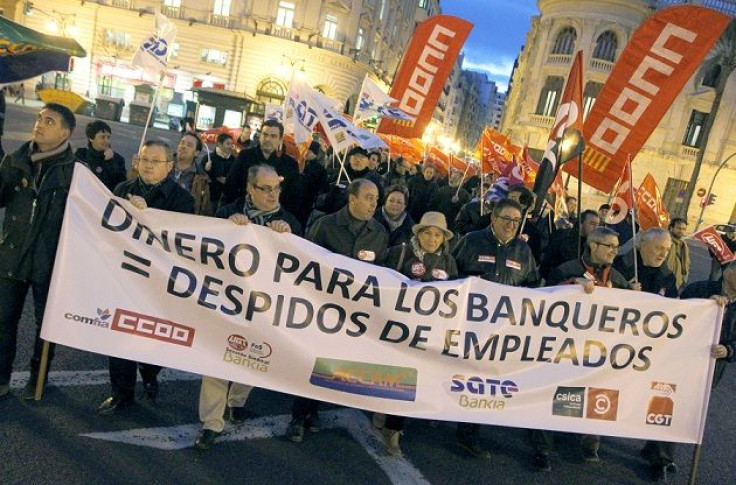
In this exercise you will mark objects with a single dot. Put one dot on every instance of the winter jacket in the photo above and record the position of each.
(434, 267)
(34, 210)
(166, 195)
(399, 235)
(444, 201)
(480, 254)
(332, 232)
(420, 194)
(578, 268)
(281, 215)
(110, 172)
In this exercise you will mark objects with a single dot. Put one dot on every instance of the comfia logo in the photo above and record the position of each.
(101, 320)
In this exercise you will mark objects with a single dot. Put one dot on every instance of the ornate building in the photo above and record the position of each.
(249, 48)
(602, 28)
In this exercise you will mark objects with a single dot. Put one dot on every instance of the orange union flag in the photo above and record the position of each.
(495, 151)
(662, 55)
(424, 69)
(650, 207)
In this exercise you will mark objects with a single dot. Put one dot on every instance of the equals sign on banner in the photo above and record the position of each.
(137, 264)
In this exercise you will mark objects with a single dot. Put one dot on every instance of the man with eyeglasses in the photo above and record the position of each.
(351, 232)
(260, 206)
(155, 189)
(653, 277)
(34, 184)
(495, 254)
(592, 269)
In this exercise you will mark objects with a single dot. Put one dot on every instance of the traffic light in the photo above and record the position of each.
(711, 199)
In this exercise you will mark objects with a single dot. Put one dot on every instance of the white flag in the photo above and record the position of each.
(300, 116)
(374, 102)
(153, 53)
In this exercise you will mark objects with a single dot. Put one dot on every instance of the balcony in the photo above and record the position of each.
(541, 120)
(689, 152)
(173, 12)
(283, 32)
(600, 65)
(329, 44)
(127, 4)
(559, 59)
(221, 20)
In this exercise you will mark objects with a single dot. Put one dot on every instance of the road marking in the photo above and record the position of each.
(93, 378)
(399, 470)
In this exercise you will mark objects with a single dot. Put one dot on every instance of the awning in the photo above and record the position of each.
(26, 53)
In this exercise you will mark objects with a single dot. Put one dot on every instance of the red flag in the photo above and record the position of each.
(661, 56)
(495, 151)
(528, 167)
(649, 205)
(569, 119)
(424, 69)
(716, 244)
(622, 200)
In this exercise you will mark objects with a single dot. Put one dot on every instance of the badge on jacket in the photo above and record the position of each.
(418, 269)
(440, 274)
(24, 183)
(513, 264)
(365, 255)
(483, 258)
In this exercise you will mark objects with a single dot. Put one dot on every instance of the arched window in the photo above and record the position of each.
(590, 93)
(605, 46)
(711, 77)
(549, 98)
(270, 90)
(565, 42)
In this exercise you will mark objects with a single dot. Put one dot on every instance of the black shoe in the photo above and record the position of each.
(295, 431)
(661, 474)
(150, 391)
(472, 446)
(113, 404)
(591, 456)
(313, 423)
(238, 415)
(205, 439)
(541, 462)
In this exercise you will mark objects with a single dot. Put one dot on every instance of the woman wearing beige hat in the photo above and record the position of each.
(426, 257)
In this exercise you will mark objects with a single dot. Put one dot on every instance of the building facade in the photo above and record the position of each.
(602, 28)
(250, 48)
(480, 107)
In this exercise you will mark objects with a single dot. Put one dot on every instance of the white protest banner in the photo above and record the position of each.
(372, 101)
(275, 311)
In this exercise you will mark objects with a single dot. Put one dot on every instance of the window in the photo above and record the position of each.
(695, 129)
(116, 39)
(330, 29)
(175, 49)
(214, 56)
(380, 10)
(271, 90)
(172, 3)
(222, 7)
(550, 96)
(360, 39)
(590, 93)
(285, 15)
(565, 42)
(605, 47)
(422, 3)
(711, 77)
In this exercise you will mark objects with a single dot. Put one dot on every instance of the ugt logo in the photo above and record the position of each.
(156, 46)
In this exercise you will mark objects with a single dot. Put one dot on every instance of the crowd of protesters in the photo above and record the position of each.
(420, 220)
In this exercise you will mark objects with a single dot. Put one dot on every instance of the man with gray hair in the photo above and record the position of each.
(653, 276)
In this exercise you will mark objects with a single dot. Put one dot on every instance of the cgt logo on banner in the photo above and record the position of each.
(661, 406)
(188, 293)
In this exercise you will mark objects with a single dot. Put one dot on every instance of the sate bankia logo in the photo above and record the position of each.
(101, 320)
(366, 379)
(251, 355)
(486, 393)
(602, 404)
(661, 405)
(155, 328)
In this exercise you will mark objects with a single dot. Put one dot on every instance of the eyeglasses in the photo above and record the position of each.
(609, 246)
(269, 190)
(153, 163)
(510, 220)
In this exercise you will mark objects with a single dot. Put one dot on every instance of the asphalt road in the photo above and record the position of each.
(62, 440)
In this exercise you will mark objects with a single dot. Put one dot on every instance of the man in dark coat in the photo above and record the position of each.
(356, 167)
(218, 166)
(563, 244)
(653, 277)
(421, 190)
(450, 198)
(351, 232)
(34, 185)
(312, 181)
(269, 151)
(155, 189)
(494, 254)
(106, 164)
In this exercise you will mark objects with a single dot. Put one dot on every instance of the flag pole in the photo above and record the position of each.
(633, 219)
(580, 203)
(150, 110)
